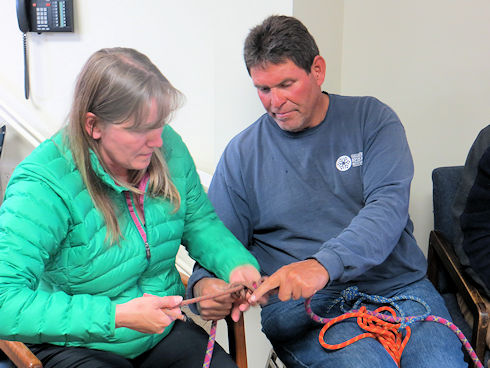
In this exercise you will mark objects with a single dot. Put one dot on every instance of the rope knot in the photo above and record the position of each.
(350, 294)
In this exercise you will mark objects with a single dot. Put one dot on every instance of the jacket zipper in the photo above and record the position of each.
(134, 216)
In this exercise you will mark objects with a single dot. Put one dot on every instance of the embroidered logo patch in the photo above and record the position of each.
(345, 162)
(356, 159)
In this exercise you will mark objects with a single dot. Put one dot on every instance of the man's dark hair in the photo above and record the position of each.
(277, 39)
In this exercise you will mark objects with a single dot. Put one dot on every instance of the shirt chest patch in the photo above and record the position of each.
(345, 162)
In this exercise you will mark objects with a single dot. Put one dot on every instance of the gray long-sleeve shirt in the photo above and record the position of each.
(337, 192)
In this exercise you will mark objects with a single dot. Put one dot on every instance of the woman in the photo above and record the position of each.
(91, 224)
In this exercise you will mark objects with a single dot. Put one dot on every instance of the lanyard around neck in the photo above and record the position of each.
(134, 216)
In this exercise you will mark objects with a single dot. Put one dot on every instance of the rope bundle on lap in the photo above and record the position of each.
(386, 328)
(386, 333)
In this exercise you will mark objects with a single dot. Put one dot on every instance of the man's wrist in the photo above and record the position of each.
(196, 290)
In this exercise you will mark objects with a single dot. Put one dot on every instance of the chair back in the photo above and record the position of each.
(445, 183)
(3, 129)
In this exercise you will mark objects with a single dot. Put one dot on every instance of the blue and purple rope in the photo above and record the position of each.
(353, 294)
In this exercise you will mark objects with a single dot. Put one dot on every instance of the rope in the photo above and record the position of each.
(353, 294)
(388, 329)
(233, 289)
(378, 324)
(384, 332)
(210, 347)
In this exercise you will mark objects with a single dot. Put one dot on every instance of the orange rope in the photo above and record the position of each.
(386, 333)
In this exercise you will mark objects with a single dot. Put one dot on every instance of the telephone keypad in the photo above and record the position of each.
(42, 18)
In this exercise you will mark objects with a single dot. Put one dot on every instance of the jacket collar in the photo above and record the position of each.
(94, 160)
(102, 174)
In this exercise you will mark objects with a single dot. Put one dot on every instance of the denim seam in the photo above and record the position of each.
(293, 357)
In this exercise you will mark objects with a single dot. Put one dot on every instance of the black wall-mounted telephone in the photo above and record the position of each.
(42, 16)
(45, 15)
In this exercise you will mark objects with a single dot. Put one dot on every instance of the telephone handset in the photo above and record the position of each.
(42, 16)
(22, 17)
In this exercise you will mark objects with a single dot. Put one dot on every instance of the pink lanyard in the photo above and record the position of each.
(134, 216)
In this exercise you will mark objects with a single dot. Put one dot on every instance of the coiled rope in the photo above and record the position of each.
(386, 328)
(392, 331)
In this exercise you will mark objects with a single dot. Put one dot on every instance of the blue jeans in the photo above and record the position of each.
(295, 336)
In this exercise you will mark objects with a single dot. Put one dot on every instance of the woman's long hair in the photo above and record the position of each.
(116, 85)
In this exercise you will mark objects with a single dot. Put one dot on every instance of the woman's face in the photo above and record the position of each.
(123, 147)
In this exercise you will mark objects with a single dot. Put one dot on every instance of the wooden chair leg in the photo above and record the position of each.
(19, 354)
(479, 334)
(236, 335)
(433, 265)
(236, 341)
(441, 251)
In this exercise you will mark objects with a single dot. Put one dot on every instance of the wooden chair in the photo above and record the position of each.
(444, 268)
(236, 341)
(20, 355)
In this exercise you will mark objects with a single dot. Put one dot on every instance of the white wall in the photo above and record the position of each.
(325, 21)
(196, 44)
(430, 61)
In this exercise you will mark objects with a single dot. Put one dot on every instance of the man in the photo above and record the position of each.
(471, 212)
(318, 190)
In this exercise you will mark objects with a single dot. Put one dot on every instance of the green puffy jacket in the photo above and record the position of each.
(60, 283)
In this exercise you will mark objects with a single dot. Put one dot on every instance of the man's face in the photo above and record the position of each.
(292, 97)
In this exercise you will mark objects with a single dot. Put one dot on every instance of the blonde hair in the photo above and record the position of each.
(116, 85)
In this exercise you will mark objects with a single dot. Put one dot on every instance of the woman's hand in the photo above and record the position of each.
(149, 314)
(247, 275)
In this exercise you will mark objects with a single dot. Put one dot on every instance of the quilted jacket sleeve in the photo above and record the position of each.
(206, 238)
(34, 223)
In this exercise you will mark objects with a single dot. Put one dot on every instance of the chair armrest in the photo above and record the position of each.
(184, 278)
(442, 251)
(19, 354)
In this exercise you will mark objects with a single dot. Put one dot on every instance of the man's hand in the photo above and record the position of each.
(149, 314)
(213, 309)
(296, 280)
(219, 308)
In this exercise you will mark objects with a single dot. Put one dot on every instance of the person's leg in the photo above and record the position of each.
(294, 336)
(184, 347)
(432, 344)
(53, 356)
